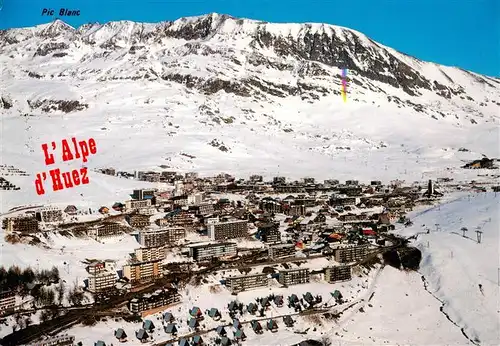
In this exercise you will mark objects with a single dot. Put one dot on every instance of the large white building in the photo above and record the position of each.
(161, 237)
(208, 251)
(142, 271)
(150, 253)
(102, 282)
(281, 250)
(195, 198)
(137, 204)
(244, 282)
(294, 276)
(49, 214)
(102, 276)
(220, 230)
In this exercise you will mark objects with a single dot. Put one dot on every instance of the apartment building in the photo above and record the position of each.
(180, 200)
(195, 198)
(145, 254)
(138, 220)
(207, 252)
(294, 276)
(7, 301)
(102, 282)
(149, 303)
(350, 253)
(245, 282)
(269, 233)
(142, 271)
(206, 209)
(49, 214)
(338, 273)
(142, 194)
(22, 223)
(343, 201)
(281, 251)
(137, 204)
(270, 205)
(296, 210)
(101, 266)
(218, 230)
(182, 219)
(147, 211)
(108, 229)
(61, 340)
(161, 237)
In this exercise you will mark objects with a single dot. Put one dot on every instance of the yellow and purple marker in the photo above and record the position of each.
(344, 84)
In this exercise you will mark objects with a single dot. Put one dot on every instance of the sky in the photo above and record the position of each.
(463, 33)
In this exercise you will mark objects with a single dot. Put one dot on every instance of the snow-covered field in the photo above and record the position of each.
(454, 266)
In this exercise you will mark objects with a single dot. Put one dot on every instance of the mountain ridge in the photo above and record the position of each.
(308, 43)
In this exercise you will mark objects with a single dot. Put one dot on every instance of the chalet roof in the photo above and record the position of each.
(225, 341)
(308, 297)
(232, 305)
(120, 333)
(99, 343)
(141, 334)
(239, 334)
(193, 322)
(195, 311)
(183, 342)
(213, 312)
(236, 323)
(271, 324)
(170, 328)
(252, 307)
(220, 330)
(278, 299)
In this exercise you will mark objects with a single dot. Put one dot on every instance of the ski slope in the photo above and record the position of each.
(454, 266)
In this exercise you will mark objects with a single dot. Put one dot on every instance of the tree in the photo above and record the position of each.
(45, 316)
(61, 288)
(75, 296)
(28, 275)
(325, 340)
(3, 275)
(28, 321)
(44, 296)
(43, 277)
(54, 275)
(13, 277)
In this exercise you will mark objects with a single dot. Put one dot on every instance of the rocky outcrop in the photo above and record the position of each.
(407, 258)
(57, 105)
(5, 103)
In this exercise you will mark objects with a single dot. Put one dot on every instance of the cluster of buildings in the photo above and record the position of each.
(341, 220)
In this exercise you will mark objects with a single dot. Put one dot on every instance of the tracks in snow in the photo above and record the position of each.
(475, 341)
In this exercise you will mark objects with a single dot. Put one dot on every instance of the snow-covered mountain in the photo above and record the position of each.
(214, 93)
(249, 59)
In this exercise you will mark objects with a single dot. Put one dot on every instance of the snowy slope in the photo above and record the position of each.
(454, 266)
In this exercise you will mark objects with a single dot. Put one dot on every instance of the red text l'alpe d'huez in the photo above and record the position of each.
(61, 180)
